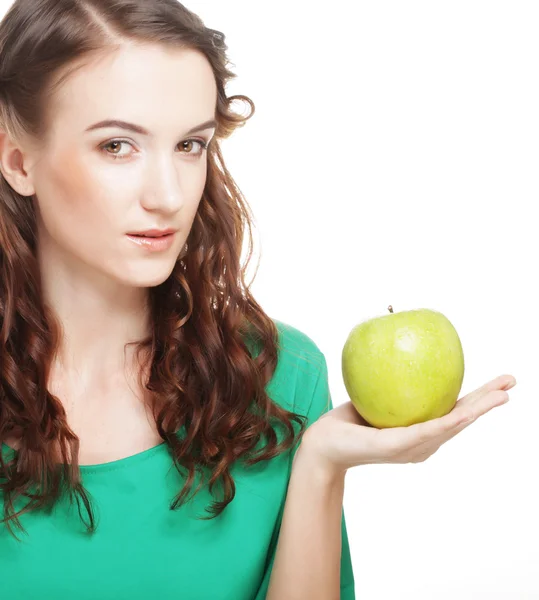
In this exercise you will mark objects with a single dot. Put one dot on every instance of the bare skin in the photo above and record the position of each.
(94, 277)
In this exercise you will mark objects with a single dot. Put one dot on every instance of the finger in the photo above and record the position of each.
(503, 382)
(469, 415)
(511, 382)
(401, 439)
(482, 405)
(488, 396)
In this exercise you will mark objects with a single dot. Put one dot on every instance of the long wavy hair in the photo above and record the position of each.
(212, 348)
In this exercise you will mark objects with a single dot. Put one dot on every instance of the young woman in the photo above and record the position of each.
(161, 435)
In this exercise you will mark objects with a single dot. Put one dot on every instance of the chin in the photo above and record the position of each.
(148, 276)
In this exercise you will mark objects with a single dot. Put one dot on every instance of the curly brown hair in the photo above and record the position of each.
(212, 349)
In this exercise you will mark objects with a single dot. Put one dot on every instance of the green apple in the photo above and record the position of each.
(403, 368)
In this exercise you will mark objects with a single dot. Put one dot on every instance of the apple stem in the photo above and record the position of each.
(390, 308)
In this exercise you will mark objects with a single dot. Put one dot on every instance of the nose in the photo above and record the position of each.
(163, 190)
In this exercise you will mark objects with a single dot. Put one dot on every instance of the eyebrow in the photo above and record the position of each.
(138, 129)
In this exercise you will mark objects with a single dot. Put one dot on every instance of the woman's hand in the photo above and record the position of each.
(341, 438)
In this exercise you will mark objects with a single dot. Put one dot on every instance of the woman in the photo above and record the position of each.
(147, 402)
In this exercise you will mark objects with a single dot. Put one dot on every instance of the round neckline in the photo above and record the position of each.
(112, 465)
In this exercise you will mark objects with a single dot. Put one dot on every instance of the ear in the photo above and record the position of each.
(12, 158)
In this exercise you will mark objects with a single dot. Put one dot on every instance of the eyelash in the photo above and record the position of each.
(203, 144)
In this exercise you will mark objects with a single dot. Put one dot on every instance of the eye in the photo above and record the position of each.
(203, 146)
(116, 145)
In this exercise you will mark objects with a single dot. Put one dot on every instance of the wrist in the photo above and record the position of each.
(309, 463)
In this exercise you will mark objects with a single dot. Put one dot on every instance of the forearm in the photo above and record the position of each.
(308, 555)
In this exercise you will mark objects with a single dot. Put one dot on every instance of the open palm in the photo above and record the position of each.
(341, 438)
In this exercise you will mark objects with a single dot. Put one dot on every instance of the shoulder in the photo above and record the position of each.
(298, 349)
(301, 371)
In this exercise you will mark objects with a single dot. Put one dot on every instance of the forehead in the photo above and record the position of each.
(153, 85)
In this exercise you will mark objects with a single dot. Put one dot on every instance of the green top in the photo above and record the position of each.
(142, 549)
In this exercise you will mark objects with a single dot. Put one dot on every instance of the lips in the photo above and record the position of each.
(153, 242)
(149, 236)
(152, 233)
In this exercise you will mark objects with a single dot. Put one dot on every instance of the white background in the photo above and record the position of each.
(392, 159)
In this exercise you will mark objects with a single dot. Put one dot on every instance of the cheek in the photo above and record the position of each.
(196, 190)
(73, 203)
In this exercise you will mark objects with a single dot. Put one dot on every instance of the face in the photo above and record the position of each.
(94, 185)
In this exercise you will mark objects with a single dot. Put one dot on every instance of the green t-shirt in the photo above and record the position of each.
(142, 549)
